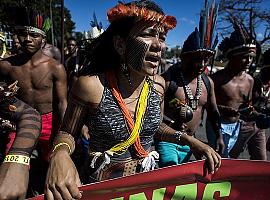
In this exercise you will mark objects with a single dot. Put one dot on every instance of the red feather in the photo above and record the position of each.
(207, 40)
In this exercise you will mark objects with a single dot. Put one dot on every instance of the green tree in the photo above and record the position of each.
(173, 52)
(44, 6)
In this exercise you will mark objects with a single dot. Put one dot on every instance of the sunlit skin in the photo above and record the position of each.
(155, 38)
(41, 79)
(30, 41)
(37, 74)
(192, 65)
(233, 86)
(89, 89)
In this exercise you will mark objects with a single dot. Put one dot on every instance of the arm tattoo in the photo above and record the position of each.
(28, 125)
(165, 133)
(74, 116)
(72, 124)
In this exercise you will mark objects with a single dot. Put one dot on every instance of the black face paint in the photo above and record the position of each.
(135, 53)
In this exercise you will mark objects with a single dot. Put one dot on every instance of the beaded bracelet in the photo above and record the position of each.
(178, 135)
(18, 159)
(61, 144)
(66, 139)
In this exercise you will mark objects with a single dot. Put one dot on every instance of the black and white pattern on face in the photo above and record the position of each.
(135, 53)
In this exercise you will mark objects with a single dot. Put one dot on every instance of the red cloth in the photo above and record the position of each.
(50, 127)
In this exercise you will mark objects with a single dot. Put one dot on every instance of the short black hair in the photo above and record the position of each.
(71, 39)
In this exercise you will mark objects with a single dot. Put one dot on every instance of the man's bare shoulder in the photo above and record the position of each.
(52, 63)
(250, 78)
(88, 88)
(6, 64)
(210, 80)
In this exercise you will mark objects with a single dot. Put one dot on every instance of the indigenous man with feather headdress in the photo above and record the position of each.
(233, 88)
(189, 89)
(42, 80)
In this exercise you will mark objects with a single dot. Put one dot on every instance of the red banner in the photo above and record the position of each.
(236, 179)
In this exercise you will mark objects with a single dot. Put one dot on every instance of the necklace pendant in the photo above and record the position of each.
(194, 105)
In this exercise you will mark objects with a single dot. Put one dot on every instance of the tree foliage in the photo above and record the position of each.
(173, 52)
(44, 7)
(250, 12)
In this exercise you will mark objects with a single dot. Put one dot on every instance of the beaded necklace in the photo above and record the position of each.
(193, 101)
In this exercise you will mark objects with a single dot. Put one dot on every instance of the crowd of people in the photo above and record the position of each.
(63, 125)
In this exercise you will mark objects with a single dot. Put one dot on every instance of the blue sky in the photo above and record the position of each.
(185, 11)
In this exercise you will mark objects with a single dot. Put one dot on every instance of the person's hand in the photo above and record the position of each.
(85, 132)
(220, 146)
(212, 157)
(62, 180)
(13, 181)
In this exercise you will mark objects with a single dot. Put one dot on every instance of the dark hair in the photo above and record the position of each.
(266, 57)
(26, 16)
(103, 45)
(264, 74)
(71, 39)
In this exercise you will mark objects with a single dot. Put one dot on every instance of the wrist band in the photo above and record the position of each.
(66, 138)
(17, 159)
(61, 144)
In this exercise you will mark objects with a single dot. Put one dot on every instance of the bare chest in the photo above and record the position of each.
(235, 89)
(32, 77)
(183, 95)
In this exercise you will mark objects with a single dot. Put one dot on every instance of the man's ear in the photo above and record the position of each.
(43, 40)
(119, 45)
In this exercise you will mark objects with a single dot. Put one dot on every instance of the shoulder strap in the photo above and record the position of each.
(207, 84)
(172, 88)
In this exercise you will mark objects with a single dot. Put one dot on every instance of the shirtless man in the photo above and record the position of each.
(188, 91)
(41, 79)
(233, 89)
(71, 64)
(16, 45)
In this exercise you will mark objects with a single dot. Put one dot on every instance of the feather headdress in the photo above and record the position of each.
(204, 39)
(96, 29)
(29, 19)
(140, 13)
(240, 40)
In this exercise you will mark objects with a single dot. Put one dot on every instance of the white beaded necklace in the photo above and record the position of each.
(193, 101)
